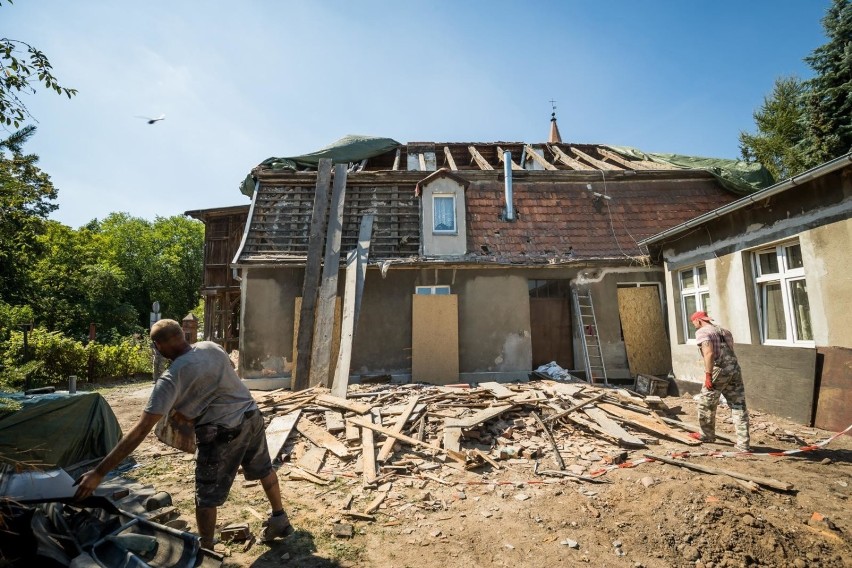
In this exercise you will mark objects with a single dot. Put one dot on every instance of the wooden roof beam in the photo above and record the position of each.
(500, 153)
(633, 165)
(477, 157)
(396, 160)
(533, 155)
(599, 164)
(421, 158)
(568, 160)
(450, 160)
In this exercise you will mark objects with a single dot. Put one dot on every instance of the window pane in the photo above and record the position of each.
(794, 257)
(801, 310)
(687, 279)
(445, 214)
(689, 306)
(768, 262)
(702, 275)
(773, 311)
(705, 303)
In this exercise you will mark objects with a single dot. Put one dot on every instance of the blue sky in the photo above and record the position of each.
(241, 81)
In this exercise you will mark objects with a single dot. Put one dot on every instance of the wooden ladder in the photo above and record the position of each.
(588, 325)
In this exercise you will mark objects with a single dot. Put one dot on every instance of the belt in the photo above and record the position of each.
(249, 413)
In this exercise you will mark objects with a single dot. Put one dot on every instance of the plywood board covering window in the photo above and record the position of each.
(435, 338)
(644, 333)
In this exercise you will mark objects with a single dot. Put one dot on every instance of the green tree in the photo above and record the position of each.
(26, 199)
(780, 130)
(23, 68)
(829, 132)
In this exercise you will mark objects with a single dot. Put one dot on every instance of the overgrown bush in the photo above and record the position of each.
(52, 357)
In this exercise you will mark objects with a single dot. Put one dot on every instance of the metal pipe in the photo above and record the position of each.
(507, 169)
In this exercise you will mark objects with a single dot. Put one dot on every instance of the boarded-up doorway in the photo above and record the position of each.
(435, 338)
(550, 323)
(645, 339)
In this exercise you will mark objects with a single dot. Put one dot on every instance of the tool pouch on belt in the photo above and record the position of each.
(211, 433)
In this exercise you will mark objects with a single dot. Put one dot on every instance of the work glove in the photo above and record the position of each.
(708, 381)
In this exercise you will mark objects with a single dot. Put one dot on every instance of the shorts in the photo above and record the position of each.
(220, 453)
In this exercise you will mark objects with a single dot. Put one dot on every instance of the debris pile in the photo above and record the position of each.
(381, 432)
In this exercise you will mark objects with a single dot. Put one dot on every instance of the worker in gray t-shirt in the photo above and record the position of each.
(202, 388)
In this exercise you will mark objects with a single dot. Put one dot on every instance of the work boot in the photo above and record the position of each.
(276, 527)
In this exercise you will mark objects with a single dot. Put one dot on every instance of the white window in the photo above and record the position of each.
(782, 295)
(444, 214)
(694, 295)
(433, 290)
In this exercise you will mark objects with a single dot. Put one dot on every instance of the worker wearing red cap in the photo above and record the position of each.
(722, 376)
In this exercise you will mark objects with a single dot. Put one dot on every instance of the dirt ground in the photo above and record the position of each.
(652, 515)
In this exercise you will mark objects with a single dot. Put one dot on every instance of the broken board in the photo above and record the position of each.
(278, 431)
(321, 437)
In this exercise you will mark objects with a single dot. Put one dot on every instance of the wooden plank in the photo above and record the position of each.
(334, 421)
(322, 438)
(321, 349)
(477, 157)
(299, 380)
(568, 160)
(478, 418)
(278, 431)
(353, 433)
(647, 423)
(421, 161)
(396, 160)
(345, 404)
(766, 481)
(402, 419)
(364, 237)
(556, 455)
(347, 329)
(368, 454)
(374, 506)
(500, 153)
(450, 160)
(532, 154)
(498, 390)
(312, 459)
(577, 406)
(388, 432)
(595, 162)
(610, 427)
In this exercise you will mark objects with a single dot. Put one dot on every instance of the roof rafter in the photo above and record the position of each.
(532, 154)
(568, 160)
(500, 153)
(595, 162)
(477, 157)
(450, 160)
(637, 165)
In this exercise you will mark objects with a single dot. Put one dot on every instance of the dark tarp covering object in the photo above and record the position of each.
(58, 430)
(350, 148)
(742, 178)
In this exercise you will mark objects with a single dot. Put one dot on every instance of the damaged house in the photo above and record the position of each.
(772, 268)
(485, 260)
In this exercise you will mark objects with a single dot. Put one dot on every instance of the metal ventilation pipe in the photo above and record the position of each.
(507, 172)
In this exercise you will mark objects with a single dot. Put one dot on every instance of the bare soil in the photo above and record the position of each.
(652, 515)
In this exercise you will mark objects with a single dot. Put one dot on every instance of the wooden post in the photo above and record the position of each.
(364, 237)
(341, 371)
(321, 349)
(304, 341)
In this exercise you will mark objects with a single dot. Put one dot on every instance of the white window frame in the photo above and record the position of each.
(432, 290)
(455, 229)
(784, 277)
(698, 291)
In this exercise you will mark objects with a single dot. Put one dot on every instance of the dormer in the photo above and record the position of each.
(443, 214)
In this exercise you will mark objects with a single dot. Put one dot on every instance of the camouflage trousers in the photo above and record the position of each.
(730, 385)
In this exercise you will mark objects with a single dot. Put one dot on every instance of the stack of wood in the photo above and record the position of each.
(381, 432)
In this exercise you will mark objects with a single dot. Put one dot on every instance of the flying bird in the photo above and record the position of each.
(153, 120)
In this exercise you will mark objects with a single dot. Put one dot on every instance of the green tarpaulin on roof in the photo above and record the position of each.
(735, 175)
(350, 148)
(58, 430)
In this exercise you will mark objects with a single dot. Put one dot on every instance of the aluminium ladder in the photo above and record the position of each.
(588, 327)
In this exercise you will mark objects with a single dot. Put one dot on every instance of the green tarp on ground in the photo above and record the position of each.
(737, 176)
(350, 148)
(58, 429)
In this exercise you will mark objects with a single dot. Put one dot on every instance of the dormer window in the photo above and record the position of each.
(444, 214)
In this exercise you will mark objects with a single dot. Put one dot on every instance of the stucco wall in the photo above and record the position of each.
(825, 253)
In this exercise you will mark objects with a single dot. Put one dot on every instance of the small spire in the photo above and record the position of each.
(555, 137)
